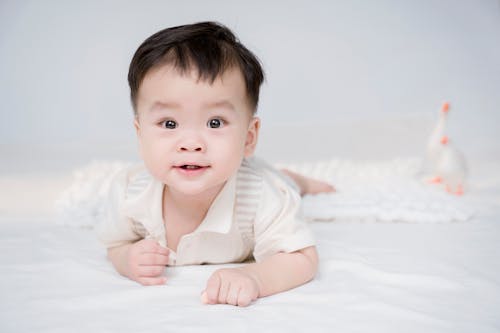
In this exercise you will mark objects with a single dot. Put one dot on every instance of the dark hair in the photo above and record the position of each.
(209, 47)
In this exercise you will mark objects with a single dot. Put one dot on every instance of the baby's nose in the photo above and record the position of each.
(190, 148)
(192, 145)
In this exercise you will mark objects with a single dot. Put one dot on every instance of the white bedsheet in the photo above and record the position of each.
(374, 277)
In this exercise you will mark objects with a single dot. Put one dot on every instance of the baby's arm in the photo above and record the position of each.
(280, 272)
(143, 261)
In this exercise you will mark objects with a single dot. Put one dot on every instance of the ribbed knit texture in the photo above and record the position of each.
(248, 194)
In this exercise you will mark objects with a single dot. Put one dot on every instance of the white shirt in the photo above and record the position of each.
(256, 213)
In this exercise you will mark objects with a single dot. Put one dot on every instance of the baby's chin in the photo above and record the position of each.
(195, 190)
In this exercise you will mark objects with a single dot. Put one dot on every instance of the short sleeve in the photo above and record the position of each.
(278, 226)
(116, 229)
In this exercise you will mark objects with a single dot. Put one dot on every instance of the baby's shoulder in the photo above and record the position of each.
(274, 188)
(271, 179)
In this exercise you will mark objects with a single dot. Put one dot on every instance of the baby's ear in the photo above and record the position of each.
(252, 136)
(137, 126)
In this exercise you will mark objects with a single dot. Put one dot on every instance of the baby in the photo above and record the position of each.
(200, 197)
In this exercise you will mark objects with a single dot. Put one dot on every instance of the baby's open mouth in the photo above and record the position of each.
(190, 167)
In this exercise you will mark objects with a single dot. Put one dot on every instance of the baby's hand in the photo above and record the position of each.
(231, 286)
(146, 261)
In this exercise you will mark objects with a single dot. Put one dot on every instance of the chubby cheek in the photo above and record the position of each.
(230, 152)
(155, 157)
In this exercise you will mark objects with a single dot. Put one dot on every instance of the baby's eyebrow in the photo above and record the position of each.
(164, 105)
(223, 104)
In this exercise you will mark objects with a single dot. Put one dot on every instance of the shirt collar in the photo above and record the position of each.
(219, 217)
(146, 206)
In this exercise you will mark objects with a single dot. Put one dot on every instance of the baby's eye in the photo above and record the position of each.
(170, 124)
(215, 123)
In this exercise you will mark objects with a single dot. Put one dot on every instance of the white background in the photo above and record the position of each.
(360, 79)
(355, 79)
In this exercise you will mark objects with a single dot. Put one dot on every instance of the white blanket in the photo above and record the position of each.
(373, 277)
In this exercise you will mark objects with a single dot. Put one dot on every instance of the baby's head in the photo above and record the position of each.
(195, 90)
(208, 48)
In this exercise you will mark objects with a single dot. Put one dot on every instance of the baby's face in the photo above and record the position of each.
(192, 134)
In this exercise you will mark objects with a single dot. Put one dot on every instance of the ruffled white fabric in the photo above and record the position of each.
(387, 191)
(83, 203)
(381, 191)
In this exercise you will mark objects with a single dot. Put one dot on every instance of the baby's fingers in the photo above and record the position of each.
(152, 281)
(162, 250)
(232, 295)
(244, 298)
(152, 246)
(152, 259)
(212, 290)
(239, 296)
(151, 271)
(204, 297)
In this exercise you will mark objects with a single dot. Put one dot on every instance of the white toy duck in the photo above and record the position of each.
(451, 168)
(444, 163)
(434, 145)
